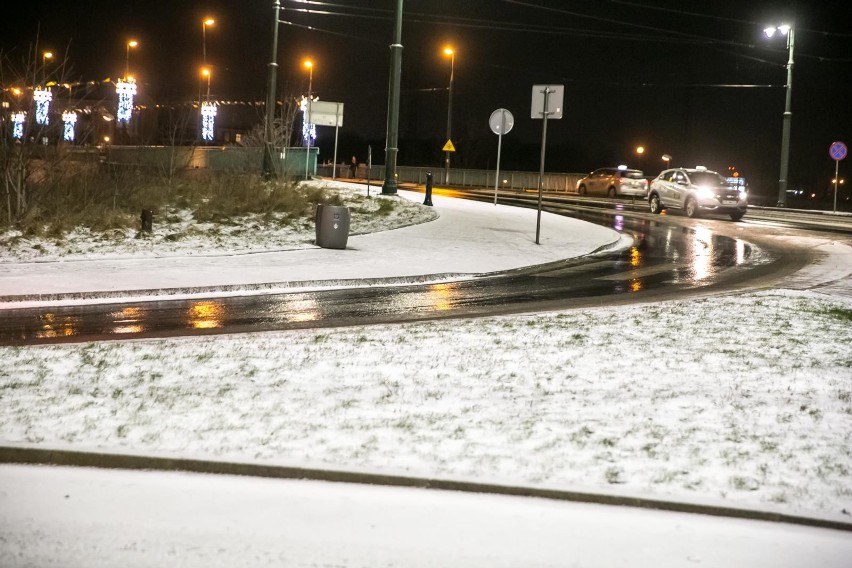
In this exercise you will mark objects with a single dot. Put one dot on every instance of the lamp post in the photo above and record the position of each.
(785, 30)
(204, 23)
(268, 170)
(449, 51)
(668, 160)
(309, 65)
(131, 43)
(640, 153)
(44, 57)
(389, 187)
(205, 72)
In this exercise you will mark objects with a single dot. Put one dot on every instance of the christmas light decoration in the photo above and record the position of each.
(208, 119)
(18, 119)
(70, 119)
(42, 99)
(126, 90)
(308, 129)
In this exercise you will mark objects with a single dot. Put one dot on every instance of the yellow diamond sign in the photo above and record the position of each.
(448, 147)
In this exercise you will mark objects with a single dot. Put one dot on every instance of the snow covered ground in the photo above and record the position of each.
(743, 400)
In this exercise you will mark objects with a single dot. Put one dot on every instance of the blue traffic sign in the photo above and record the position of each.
(837, 151)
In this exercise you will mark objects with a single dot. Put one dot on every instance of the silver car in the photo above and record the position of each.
(613, 182)
(696, 191)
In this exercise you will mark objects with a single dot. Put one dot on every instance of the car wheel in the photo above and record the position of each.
(611, 192)
(654, 204)
(581, 190)
(691, 208)
(736, 216)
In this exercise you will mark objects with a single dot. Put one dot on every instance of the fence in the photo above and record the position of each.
(291, 161)
(462, 177)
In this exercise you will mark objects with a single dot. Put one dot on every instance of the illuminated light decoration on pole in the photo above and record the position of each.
(126, 91)
(208, 120)
(18, 119)
(42, 99)
(309, 131)
(70, 120)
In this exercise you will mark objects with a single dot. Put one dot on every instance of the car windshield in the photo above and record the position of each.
(632, 174)
(706, 178)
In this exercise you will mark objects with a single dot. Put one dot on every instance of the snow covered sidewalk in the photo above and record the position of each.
(468, 238)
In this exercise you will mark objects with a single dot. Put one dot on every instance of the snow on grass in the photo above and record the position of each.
(177, 233)
(746, 399)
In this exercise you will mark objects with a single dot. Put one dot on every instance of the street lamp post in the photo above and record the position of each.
(785, 30)
(668, 160)
(204, 23)
(389, 187)
(268, 170)
(309, 65)
(131, 43)
(452, 54)
(205, 72)
(44, 57)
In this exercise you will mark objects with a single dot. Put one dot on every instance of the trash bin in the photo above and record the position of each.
(332, 223)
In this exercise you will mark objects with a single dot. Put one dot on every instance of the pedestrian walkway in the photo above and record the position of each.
(468, 239)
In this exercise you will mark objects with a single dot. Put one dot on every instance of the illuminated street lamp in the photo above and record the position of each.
(131, 43)
(204, 23)
(44, 58)
(785, 30)
(205, 72)
(667, 159)
(450, 52)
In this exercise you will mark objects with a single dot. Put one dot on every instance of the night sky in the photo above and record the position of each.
(675, 76)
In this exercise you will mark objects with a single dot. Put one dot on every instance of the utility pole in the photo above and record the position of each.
(268, 147)
(391, 149)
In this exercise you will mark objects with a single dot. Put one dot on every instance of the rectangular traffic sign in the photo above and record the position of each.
(555, 95)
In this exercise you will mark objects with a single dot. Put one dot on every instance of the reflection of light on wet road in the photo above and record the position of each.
(128, 320)
(619, 223)
(635, 257)
(206, 315)
(297, 308)
(440, 295)
(53, 327)
(702, 253)
(636, 285)
(741, 251)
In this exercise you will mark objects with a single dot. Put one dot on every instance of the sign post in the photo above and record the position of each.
(837, 151)
(501, 122)
(546, 102)
(326, 113)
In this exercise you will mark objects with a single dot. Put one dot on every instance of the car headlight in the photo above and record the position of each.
(705, 193)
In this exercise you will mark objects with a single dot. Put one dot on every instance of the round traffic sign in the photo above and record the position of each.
(501, 121)
(837, 151)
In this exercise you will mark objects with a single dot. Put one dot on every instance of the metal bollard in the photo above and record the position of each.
(147, 218)
(428, 200)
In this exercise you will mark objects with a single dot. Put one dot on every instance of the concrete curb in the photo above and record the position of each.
(39, 456)
(155, 294)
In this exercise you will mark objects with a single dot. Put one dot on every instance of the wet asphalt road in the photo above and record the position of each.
(671, 256)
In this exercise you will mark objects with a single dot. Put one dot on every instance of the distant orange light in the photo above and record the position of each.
(640, 149)
(308, 64)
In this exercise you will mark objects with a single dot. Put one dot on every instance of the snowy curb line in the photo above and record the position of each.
(38, 456)
(153, 294)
